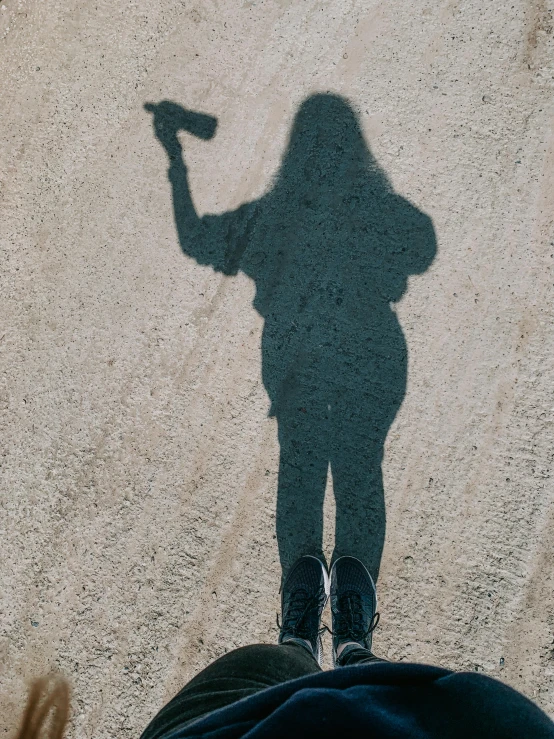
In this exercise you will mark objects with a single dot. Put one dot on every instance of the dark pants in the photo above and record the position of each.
(236, 675)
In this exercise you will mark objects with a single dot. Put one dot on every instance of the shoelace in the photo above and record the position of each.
(299, 608)
(350, 618)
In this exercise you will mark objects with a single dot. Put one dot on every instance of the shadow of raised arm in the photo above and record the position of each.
(200, 238)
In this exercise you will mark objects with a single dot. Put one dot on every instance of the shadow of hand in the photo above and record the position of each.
(170, 118)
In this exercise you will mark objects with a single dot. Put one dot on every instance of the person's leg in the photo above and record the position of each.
(236, 675)
(247, 670)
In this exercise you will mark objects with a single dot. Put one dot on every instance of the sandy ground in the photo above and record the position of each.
(139, 464)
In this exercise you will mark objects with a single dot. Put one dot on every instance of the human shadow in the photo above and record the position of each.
(329, 248)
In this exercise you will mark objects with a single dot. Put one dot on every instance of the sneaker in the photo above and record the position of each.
(353, 605)
(303, 598)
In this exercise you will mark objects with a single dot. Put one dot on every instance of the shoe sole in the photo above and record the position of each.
(370, 579)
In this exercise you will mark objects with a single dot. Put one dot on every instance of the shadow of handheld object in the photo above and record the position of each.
(169, 118)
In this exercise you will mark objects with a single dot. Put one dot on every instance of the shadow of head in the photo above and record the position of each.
(327, 150)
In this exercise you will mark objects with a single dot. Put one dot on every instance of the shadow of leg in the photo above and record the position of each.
(360, 508)
(373, 371)
(302, 478)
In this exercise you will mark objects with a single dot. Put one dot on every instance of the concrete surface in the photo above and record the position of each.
(139, 464)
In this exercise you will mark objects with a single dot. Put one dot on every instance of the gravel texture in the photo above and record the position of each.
(139, 453)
